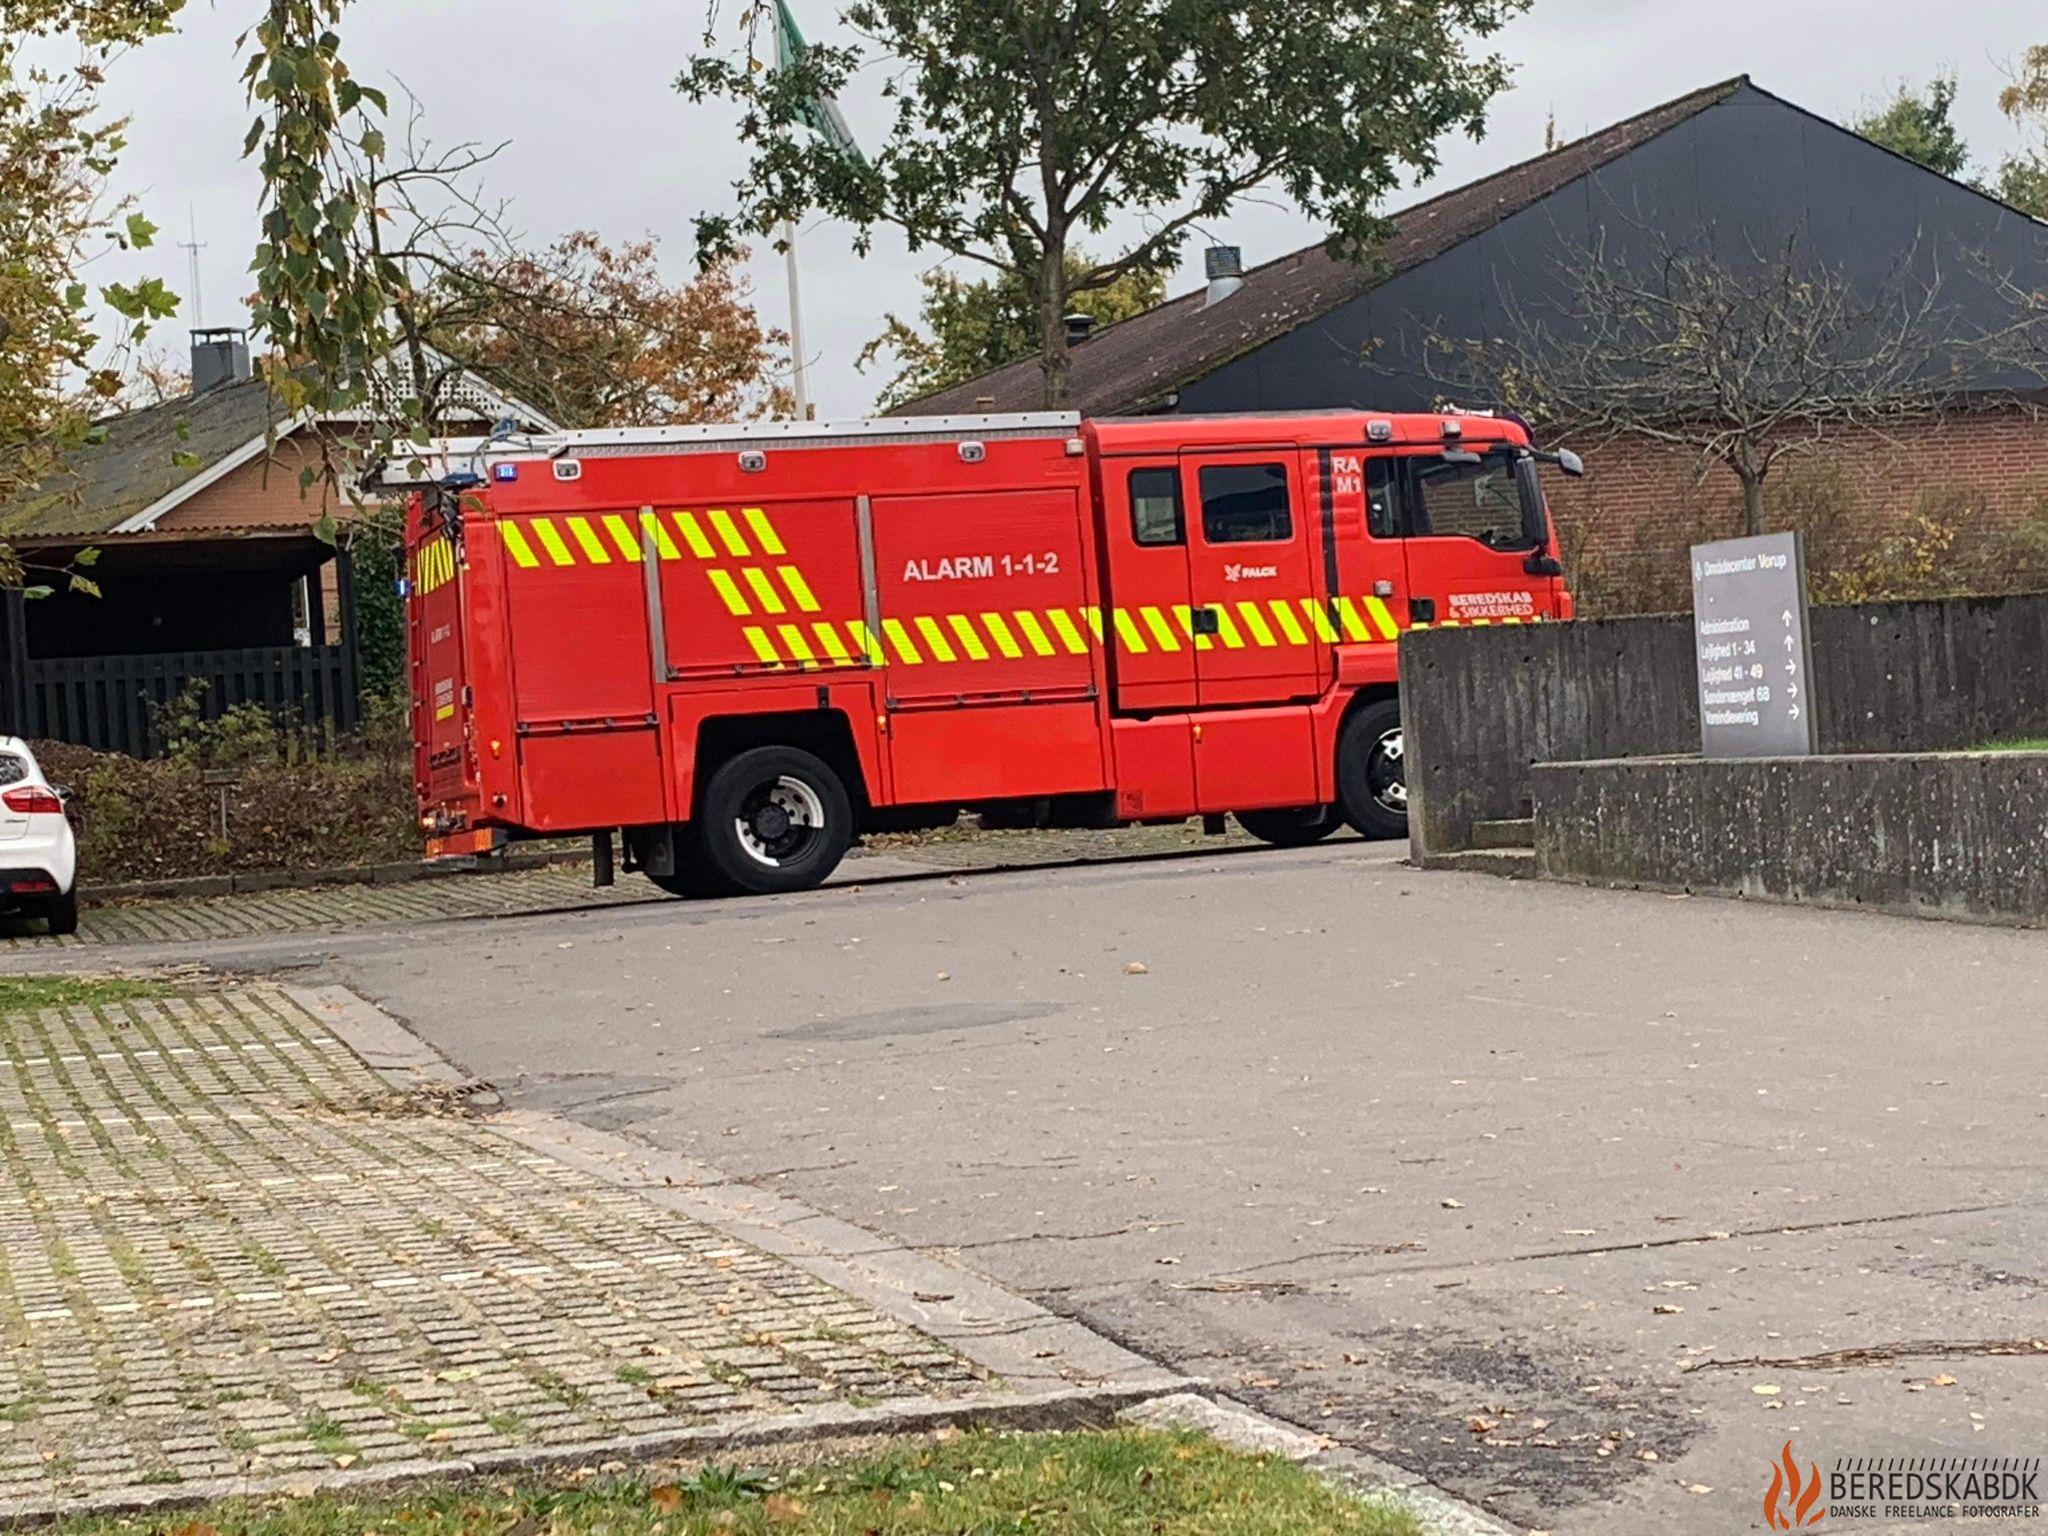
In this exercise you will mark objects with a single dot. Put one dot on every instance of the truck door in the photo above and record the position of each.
(1261, 623)
(440, 676)
(1473, 519)
(1146, 534)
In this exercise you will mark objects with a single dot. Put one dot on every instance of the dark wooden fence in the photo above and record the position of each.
(110, 702)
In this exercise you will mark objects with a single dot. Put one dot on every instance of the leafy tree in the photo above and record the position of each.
(967, 327)
(57, 155)
(1920, 125)
(2023, 177)
(595, 336)
(1014, 136)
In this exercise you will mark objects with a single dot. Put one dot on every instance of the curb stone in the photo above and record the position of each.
(1072, 1369)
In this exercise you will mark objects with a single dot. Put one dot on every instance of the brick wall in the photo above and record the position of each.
(1869, 504)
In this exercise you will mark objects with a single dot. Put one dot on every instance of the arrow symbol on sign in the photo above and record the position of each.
(1791, 669)
(1792, 690)
(1788, 618)
(1794, 712)
(1790, 643)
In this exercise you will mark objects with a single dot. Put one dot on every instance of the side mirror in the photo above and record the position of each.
(1540, 564)
(63, 792)
(1571, 463)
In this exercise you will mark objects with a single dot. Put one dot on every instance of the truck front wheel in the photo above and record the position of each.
(1372, 771)
(775, 819)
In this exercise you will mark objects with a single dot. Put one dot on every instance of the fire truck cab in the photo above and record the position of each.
(739, 648)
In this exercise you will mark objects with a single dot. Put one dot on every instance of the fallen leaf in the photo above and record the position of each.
(1666, 1309)
(782, 1509)
(1137, 968)
(1479, 1424)
(1699, 1488)
(1453, 1205)
(1167, 1260)
(1765, 1389)
(460, 1373)
(665, 1497)
(1941, 1381)
(345, 1462)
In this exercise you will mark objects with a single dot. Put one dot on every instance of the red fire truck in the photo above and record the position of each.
(739, 648)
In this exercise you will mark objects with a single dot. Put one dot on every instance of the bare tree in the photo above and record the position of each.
(1747, 362)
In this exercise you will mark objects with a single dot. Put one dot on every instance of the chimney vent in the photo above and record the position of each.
(1225, 267)
(1079, 329)
(219, 356)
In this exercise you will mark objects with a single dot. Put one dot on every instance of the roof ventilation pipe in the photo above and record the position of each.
(1225, 266)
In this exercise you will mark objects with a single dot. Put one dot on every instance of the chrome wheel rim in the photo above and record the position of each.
(780, 822)
(1386, 772)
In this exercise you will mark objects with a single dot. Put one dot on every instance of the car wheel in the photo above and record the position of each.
(774, 819)
(62, 915)
(1290, 829)
(1372, 771)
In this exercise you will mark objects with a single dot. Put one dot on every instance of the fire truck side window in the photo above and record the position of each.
(1477, 499)
(1155, 507)
(1383, 498)
(1245, 504)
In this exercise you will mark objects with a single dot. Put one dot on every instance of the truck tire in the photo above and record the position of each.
(1372, 785)
(774, 819)
(1290, 829)
(62, 915)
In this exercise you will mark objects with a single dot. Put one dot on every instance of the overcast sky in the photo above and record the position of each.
(599, 139)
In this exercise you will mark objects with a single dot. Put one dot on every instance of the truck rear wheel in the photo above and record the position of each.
(1290, 829)
(774, 819)
(1372, 771)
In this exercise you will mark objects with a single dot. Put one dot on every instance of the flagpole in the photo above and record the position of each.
(801, 381)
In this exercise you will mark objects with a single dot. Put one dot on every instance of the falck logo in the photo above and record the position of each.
(1250, 572)
(1789, 1501)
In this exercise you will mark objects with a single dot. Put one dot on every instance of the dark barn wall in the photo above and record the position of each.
(1483, 706)
(1746, 175)
(149, 613)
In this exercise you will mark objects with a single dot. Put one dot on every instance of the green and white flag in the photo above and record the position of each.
(822, 115)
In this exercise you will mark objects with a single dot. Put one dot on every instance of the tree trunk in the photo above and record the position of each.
(1752, 500)
(1053, 359)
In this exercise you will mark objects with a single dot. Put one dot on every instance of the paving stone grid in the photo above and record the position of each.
(228, 1250)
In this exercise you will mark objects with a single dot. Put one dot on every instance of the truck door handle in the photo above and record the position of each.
(1422, 610)
(1205, 621)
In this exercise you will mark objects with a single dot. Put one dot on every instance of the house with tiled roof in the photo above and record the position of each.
(206, 562)
(1732, 165)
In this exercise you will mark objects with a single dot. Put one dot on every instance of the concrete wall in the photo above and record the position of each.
(1483, 706)
(1938, 835)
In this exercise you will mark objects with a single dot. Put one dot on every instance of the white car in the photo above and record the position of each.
(38, 854)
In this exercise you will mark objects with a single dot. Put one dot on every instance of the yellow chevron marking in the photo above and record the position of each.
(1384, 618)
(764, 590)
(970, 638)
(999, 632)
(828, 637)
(1319, 617)
(793, 641)
(1127, 631)
(934, 638)
(693, 535)
(593, 546)
(764, 531)
(1161, 630)
(1184, 614)
(1354, 622)
(728, 533)
(1290, 626)
(623, 537)
(764, 648)
(900, 638)
(551, 541)
(650, 527)
(1093, 618)
(1227, 631)
(799, 589)
(1511, 619)
(735, 603)
(1255, 621)
(1028, 622)
(1070, 637)
(1482, 623)
(867, 644)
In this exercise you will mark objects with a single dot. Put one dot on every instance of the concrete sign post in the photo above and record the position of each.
(1749, 627)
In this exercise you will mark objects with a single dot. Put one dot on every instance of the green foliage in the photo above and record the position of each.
(324, 302)
(1110, 1483)
(1008, 144)
(1920, 125)
(240, 736)
(377, 546)
(968, 327)
(30, 994)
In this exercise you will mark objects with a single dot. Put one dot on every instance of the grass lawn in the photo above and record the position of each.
(25, 994)
(1109, 1483)
(2038, 744)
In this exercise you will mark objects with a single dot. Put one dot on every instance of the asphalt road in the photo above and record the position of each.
(1499, 1181)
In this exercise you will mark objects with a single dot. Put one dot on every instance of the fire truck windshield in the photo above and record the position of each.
(1491, 497)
